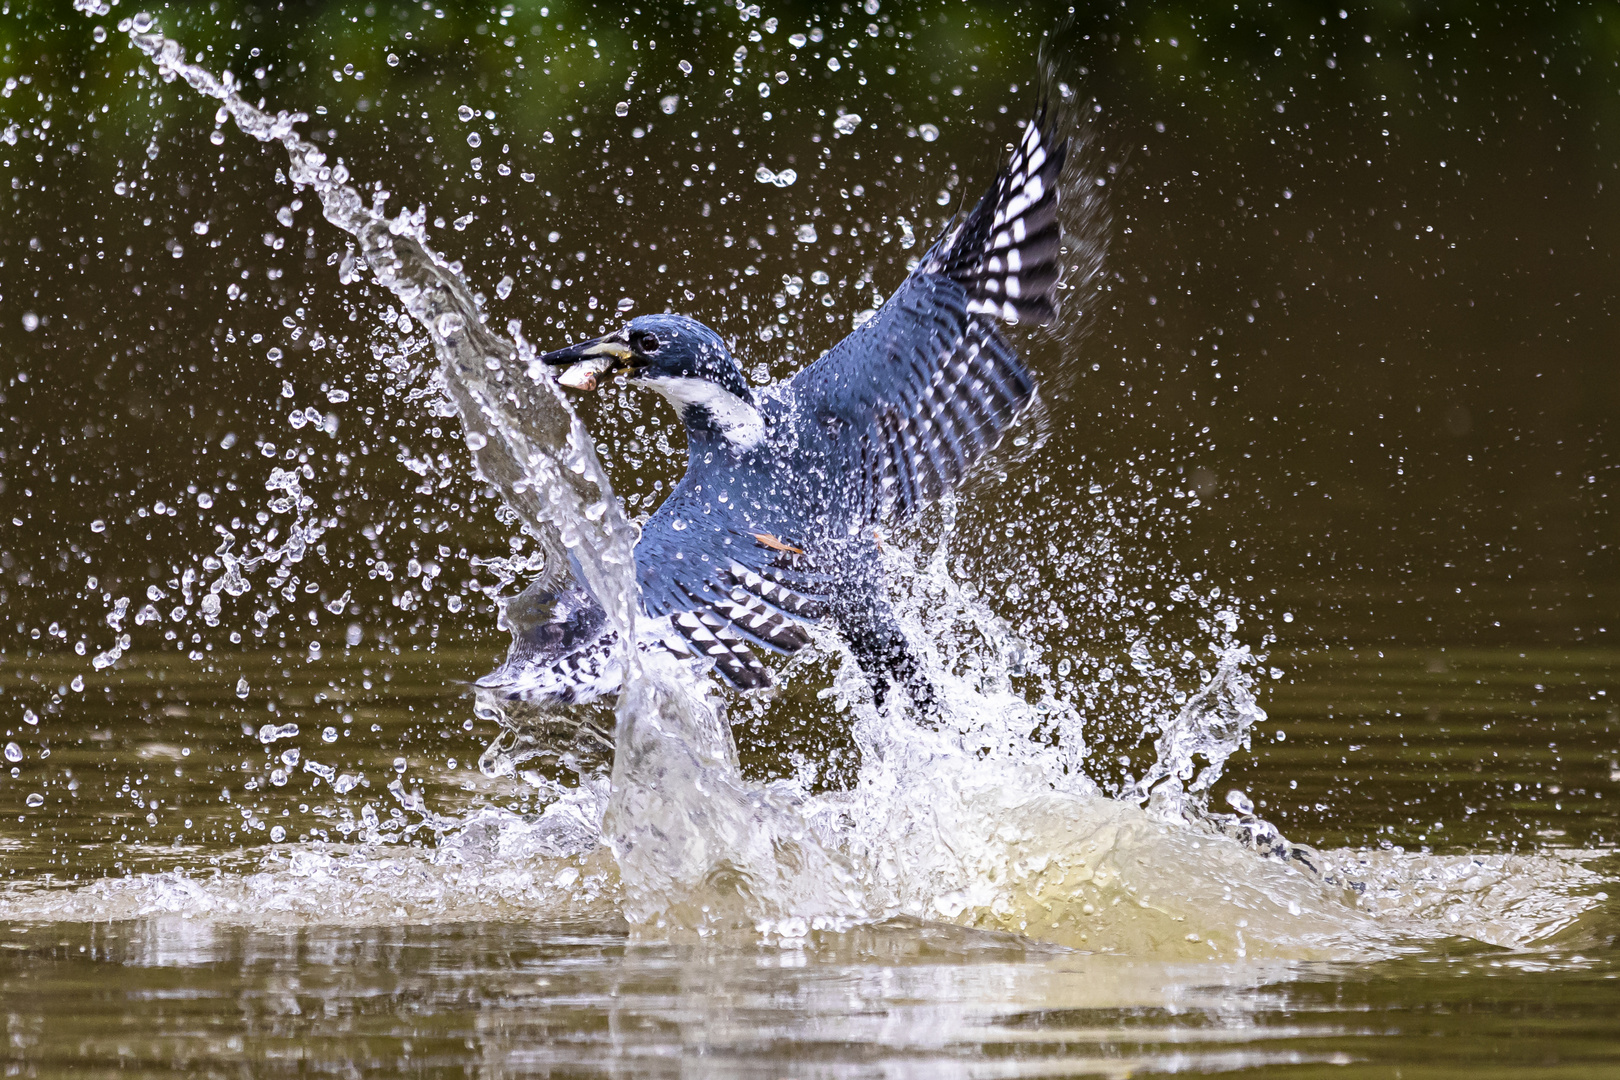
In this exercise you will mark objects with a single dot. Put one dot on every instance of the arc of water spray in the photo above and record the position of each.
(525, 439)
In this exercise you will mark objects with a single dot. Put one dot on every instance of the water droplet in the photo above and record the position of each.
(30, 717)
(833, 64)
(269, 733)
(1240, 802)
(242, 687)
(474, 139)
(1288, 616)
(503, 287)
(278, 834)
(36, 799)
(806, 233)
(621, 109)
(928, 132)
(329, 735)
(624, 304)
(77, 684)
(141, 23)
(666, 104)
(797, 40)
(847, 124)
(449, 323)
(200, 228)
(393, 61)
(13, 752)
(30, 321)
(98, 526)
(464, 113)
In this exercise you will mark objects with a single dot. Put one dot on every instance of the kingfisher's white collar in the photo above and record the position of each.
(739, 423)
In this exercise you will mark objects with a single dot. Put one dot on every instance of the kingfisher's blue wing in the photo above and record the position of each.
(927, 386)
(726, 589)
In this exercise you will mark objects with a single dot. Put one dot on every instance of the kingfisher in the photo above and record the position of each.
(776, 524)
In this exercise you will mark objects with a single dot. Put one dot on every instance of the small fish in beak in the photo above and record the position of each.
(583, 375)
(588, 360)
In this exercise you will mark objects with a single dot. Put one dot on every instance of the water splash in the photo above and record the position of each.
(682, 822)
(977, 823)
(524, 438)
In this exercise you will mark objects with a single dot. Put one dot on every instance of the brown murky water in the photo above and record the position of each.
(1360, 308)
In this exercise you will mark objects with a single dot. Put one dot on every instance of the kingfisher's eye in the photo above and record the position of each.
(647, 343)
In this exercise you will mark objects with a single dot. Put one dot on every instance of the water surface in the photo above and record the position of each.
(1351, 365)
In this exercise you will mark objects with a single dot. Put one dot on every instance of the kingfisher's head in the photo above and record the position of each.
(684, 361)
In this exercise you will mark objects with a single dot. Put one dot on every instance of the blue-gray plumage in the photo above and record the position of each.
(773, 525)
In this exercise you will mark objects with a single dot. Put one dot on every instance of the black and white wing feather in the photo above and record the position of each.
(929, 385)
(726, 590)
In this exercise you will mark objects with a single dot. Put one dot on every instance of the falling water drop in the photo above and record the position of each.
(242, 687)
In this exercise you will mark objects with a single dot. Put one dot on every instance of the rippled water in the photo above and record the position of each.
(1317, 527)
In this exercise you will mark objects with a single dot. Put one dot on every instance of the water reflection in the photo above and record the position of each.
(572, 1000)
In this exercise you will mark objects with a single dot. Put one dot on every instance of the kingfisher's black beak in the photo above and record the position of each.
(589, 359)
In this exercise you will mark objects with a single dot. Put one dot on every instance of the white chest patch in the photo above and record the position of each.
(739, 422)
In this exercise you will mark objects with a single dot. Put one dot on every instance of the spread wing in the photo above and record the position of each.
(926, 387)
(725, 589)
